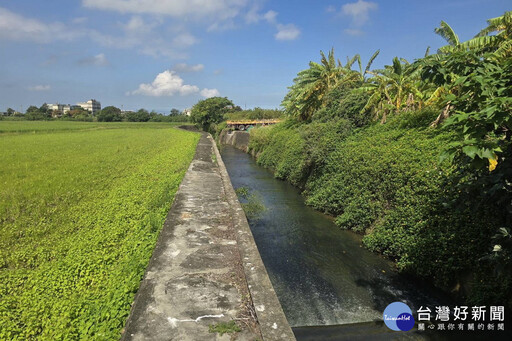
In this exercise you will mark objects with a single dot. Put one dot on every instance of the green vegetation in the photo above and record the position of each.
(80, 212)
(251, 202)
(209, 112)
(38, 114)
(254, 114)
(16, 126)
(415, 156)
(224, 327)
(140, 116)
(107, 114)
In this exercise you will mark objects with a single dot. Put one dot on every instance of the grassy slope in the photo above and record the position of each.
(385, 181)
(80, 213)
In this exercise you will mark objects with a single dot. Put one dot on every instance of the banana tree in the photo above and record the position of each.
(496, 37)
(393, 89)
(311, 86)
(447, 32)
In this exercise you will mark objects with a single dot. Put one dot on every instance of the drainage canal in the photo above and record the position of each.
(322, 275)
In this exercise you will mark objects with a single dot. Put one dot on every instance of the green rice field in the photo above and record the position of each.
(81, 206)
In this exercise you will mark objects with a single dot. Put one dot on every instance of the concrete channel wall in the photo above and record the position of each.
(273, 322)
(237, 139)
(206, 269)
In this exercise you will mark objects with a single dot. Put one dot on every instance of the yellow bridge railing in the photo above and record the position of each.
(246, 124)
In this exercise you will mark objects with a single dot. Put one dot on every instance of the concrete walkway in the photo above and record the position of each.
(196, 278)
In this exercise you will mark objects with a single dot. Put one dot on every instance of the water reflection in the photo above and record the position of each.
(322, 275)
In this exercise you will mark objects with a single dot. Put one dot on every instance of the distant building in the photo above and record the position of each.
(187, 111)
(92, 105)
(60, 109)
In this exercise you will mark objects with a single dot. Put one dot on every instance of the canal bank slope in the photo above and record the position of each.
(386, 183)
(206, 269)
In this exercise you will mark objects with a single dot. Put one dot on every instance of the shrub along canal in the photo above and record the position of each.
(322, 275)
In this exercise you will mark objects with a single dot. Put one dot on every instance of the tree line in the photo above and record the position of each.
(107, 114)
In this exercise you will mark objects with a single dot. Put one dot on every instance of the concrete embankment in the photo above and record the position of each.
(206, 268)
(237, 139)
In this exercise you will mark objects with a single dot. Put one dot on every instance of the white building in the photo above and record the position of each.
(61, 109)
(91, 105)
(187, 111)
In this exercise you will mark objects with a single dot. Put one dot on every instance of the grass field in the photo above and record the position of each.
(54, 126)
(81, 205)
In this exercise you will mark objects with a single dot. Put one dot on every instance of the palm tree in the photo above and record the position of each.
(495, 38)
(362, 74)
(500, 42)
(310, 87)
(393, 89)
(449, 35)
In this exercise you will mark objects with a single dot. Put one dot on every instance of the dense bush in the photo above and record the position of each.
(141, 115)
(37, 116)
(170, 118)
(255, 114)
(443, 218)
(385, 181)
(109, 114)
(342, 102)
(210, 111)
(293, 150)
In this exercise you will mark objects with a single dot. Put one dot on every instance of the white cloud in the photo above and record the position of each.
(270, 16)
(136, 25)
(19, 28)
(184, 40)
(287, 32)
(284, 32)
(182, 67)
(147, 39)
(253, 16)
(209, 93)
(220, 26)
(359, 11)
(136, 34)
(166, 83)
(330, 9)
(97, 60)
(39, 88)
(169, 83)
(218, 9)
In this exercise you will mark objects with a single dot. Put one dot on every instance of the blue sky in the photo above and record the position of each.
(163, 54)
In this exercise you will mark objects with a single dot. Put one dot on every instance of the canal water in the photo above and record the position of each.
(330, 287)
(321, 274)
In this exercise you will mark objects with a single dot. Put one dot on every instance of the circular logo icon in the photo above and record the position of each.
(398, 316)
